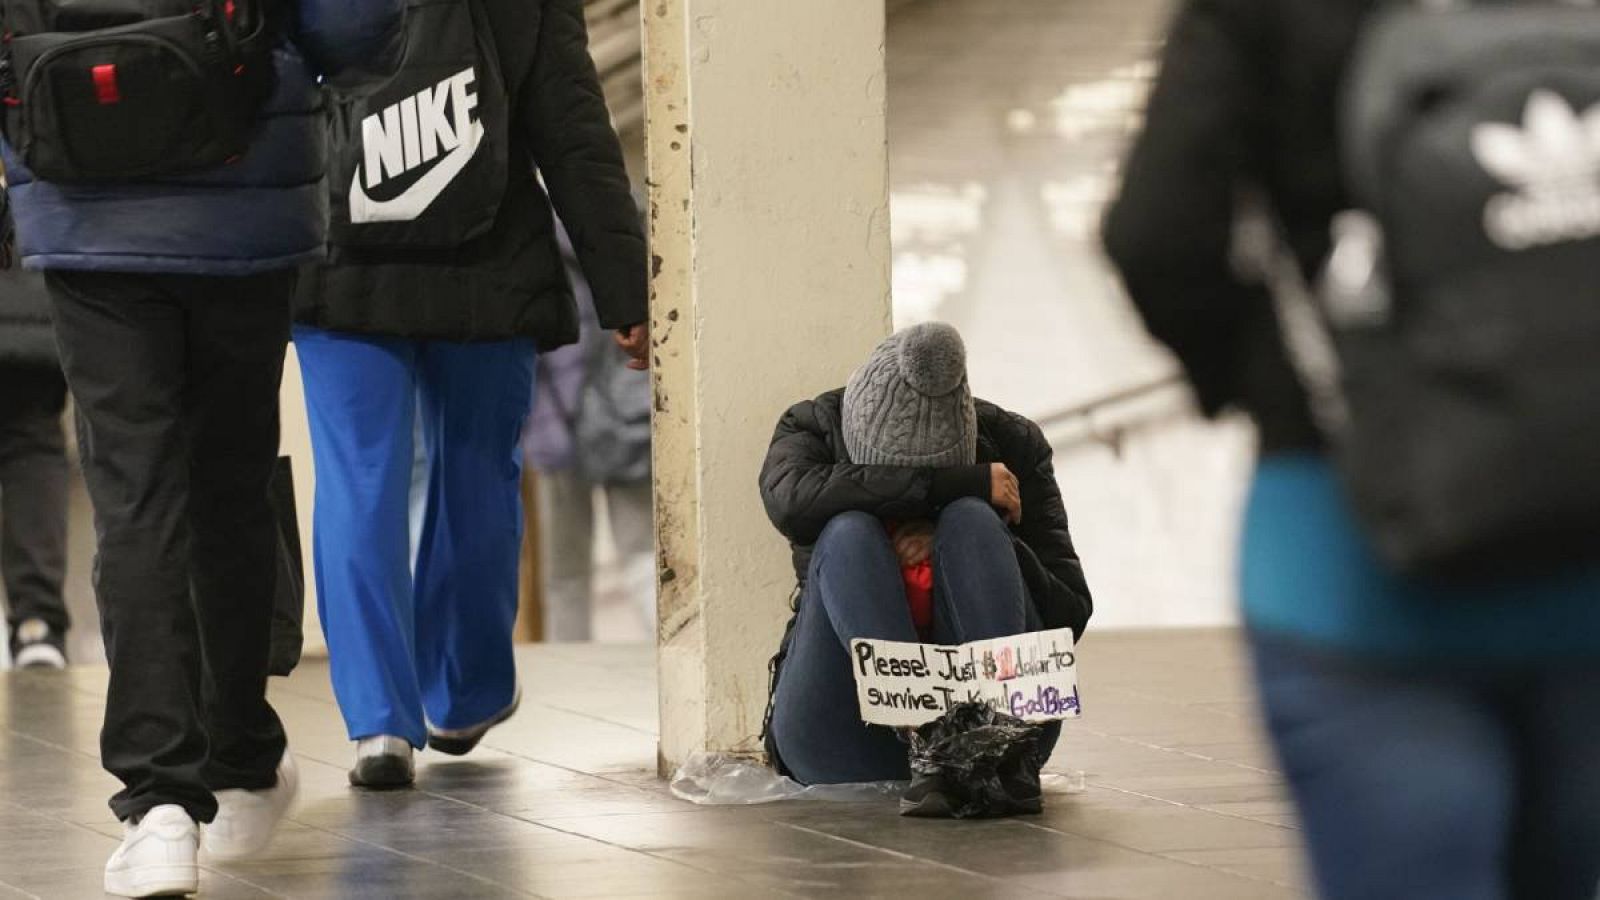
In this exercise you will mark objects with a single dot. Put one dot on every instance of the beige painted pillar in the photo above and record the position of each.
(769, 225)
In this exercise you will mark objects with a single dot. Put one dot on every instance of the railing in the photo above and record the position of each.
(1108, 419)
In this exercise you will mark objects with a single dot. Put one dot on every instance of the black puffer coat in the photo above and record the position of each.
(26, 338)
(25, 335)
(1248, 96)
(510, 282)
(807, 480)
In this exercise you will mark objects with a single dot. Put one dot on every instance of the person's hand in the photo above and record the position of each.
(913, 543)
(1005, 493)
(635, 341)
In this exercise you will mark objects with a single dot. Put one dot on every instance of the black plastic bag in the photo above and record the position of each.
(989, 761)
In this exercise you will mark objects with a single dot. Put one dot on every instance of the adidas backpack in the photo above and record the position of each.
(117, 90)
(422, 162)
(1461, 302)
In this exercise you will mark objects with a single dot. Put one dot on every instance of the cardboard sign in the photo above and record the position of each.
(1032, 676)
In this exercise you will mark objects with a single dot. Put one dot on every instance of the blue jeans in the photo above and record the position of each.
(854, 590)
(432, 646)
(1456, 782)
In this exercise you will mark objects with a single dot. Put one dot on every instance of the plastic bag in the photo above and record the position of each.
(1071, 781)
(989, 761)
(714, 779)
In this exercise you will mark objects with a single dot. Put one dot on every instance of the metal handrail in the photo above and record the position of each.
(1092, 421)
(1123, 395)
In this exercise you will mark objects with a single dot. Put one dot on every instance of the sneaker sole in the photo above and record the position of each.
(461, 746)
(40, 656)
(932, 806)
(154, 881)
(382, 774)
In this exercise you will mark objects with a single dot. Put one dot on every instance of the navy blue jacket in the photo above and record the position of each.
(267, 211)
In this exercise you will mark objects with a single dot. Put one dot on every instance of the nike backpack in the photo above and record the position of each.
(119, 90)
(1462, 300)
(422, 162)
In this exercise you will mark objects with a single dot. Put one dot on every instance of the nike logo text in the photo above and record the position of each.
(410, 134)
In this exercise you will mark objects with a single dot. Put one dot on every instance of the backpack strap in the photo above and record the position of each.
(1261, 251)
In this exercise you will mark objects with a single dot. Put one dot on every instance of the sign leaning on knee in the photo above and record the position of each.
(1032, 676)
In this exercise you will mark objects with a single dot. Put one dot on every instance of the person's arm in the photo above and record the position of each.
(562, 112)
(1170, 229)
(352, 44)
(803, 486)
(1045, 541)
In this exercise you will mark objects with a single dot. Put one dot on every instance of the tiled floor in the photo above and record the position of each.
(1181, 801)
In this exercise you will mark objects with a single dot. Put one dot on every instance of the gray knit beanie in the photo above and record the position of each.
(909, 403)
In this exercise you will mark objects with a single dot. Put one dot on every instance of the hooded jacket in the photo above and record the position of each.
(267, 211)
(511, 282)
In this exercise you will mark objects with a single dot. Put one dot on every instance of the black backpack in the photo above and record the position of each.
(422, 162)
(1461, 384)
(119, 90)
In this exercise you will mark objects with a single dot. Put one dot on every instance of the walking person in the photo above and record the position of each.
(170, 243)
(916, 513)
(447, 299)
(33, 470)
(1439, 725)
(588, 436)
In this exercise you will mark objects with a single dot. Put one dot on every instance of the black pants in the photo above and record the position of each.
(33, 494)
(176, 382)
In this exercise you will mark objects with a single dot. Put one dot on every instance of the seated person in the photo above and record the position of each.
(915, 514)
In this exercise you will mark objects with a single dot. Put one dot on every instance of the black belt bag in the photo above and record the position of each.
(132, 90)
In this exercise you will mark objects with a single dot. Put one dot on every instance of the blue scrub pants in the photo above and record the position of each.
(408, 649)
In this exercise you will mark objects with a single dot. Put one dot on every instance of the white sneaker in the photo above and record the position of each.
(157, 856)
(246, 819)
(383, 762)
(35, 646)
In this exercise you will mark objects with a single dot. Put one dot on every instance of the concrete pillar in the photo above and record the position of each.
(769, 224)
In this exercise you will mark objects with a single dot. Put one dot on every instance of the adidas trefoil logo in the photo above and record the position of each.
(409, 135)
(1553, 163)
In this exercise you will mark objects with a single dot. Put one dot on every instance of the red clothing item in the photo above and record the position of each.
(919, 595)
(919, 590)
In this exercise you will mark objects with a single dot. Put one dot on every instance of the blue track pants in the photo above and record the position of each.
(434, 646)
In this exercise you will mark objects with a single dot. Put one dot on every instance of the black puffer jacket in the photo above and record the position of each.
(510, 282)
(25, 335)
(1248, 96)
(807, 480)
